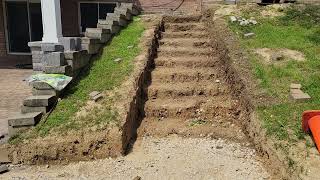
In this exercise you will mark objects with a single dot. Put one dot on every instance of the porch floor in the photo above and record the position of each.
(12, 92)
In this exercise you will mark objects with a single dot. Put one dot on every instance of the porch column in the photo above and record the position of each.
(51, 19)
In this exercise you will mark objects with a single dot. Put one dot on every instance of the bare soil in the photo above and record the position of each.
(279, 56)
(192, 120)
(160, 158)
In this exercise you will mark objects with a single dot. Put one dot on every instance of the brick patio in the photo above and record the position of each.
(12, 92)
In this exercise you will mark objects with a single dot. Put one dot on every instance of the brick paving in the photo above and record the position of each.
(12, 92)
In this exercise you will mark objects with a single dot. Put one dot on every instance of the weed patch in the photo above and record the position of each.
(297, 30)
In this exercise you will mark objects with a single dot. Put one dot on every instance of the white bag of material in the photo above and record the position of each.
(56, 81)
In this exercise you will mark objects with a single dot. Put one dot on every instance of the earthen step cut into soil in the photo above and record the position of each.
(188, 94)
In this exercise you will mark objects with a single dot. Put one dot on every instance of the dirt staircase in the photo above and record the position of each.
(188, 94)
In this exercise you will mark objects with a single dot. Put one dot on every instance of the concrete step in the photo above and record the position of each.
(28, 109)
(133, 9)
(120, 18)
(79, 59)
(164, 51)
(189, 107)
(186, 61)
(173, 75)
(40, 101)
(176, 27)
(114, 29)
(28, 119)
(98, 33)
(124, 11)
(176, 90)
(185, 42)
(108, 22)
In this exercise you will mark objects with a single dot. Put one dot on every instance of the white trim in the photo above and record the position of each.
(51, 21)
(91, 2)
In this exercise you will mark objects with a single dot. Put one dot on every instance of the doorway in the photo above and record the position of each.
(23, 24)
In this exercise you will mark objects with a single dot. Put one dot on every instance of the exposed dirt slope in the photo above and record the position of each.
(160, 158)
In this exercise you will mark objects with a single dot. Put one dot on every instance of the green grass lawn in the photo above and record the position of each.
(297, 30)
(103, 75)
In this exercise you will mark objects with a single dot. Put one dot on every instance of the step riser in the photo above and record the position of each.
(181, 43)
(184, 35)
(187, 113)
(169, 78)
(181, 27)
(189, 64)
(165, 53)
(154, 93)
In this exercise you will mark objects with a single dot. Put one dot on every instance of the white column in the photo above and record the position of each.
(51, 20)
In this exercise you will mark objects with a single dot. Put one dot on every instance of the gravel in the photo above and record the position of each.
(160, 158)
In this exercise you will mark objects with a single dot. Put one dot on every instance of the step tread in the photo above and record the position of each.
(182, 70)
(187, 102)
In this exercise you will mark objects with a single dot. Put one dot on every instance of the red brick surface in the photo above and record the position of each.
(12, 92)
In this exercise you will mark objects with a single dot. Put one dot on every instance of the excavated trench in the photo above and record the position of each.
(192, 91)
(188, 92)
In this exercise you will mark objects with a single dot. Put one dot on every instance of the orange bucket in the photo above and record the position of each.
(311, 123)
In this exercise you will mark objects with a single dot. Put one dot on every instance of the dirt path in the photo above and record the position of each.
(161, 158)
(188, 94)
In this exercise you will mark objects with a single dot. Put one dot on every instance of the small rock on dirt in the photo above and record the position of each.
(95, 95)
(217, 81)
(233, 19)
(295, 86)
(244, 23)
(137, 178)
(248, 35)
(118, 60)
(3, 168)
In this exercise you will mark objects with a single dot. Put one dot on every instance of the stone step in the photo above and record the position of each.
(204, 88)
(185, 42)
(37, 92)
(66, 70)
(40, 101)
(185, 34)
(108, 22)
(28, 119)
(124, 11)
(91, 48)
(133, 9)
(186, 61)
(98, 33)
(120, 18)
(79, 59)
(164, 51)
(28, 109)
(176, 27)
(114, 29)
(173, 75)
(189, 107)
